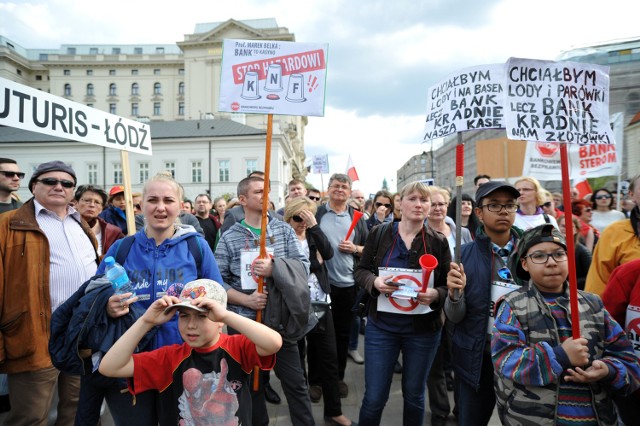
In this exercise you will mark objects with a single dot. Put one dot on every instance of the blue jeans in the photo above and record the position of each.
(476, 407)
(381, 350)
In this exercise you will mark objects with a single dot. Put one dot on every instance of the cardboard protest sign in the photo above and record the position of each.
(542, 159)
(469, 99)
(26, 108)
(273, 77)
(557, 102)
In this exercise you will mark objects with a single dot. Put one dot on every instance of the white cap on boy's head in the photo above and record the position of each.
(197, 289)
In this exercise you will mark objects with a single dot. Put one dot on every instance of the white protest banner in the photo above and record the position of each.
(542, 159)
(469, 99)
(26, 108)
(273, 77)
(320, 164)
(557, 102)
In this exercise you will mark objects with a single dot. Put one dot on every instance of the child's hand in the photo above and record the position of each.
(596, 372)
(118, 304)
(215, 311)
(577, 351)
(155, 314)
(456, 278)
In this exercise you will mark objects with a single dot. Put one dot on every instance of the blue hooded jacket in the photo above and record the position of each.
(158, 270)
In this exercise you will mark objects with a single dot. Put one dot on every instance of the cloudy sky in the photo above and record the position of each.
(382, 55)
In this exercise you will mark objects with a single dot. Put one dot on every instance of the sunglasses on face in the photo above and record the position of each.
(53, 182)
(603, 197)
(297, 218)
(12, 174)
(312, 198)
(387, 205)
(547, 204)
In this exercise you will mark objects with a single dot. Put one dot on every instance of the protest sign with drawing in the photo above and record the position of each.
(273, 77)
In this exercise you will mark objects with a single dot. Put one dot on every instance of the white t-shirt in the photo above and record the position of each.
(600, 220)
(528, 221)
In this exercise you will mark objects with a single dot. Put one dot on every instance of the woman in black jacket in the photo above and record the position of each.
(322, 355)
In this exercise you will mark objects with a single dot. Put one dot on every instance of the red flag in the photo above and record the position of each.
(351, 171)
(584, 188)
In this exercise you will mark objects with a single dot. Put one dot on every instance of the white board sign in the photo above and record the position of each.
(320, 164)
(29, 109)
(273, 77)
(550, 101)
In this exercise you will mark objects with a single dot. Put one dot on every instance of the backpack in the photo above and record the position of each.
(192, 242)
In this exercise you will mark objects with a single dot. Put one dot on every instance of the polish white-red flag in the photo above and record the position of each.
(583, 188)
(351, 171)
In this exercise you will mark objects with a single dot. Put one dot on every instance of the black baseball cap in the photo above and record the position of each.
(493, 186)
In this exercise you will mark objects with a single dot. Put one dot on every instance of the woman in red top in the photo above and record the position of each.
(588, 234)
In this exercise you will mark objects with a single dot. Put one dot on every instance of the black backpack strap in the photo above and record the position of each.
(196, 252)
(123, 249)
(546, 218)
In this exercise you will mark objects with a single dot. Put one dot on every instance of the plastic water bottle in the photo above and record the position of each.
(118, 276)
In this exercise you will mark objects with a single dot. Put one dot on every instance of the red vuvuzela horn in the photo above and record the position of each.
(428, 263)
(356, 217)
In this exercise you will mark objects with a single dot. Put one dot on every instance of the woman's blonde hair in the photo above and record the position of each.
(164, 177)
(536, 185)
(419, 187)
(438, 190)
(296, 205)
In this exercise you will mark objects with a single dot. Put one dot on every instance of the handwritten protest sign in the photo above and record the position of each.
(320, 164)
(469, 99)
(30, 109)
(557, 102)
(542, 159)
(273, 77)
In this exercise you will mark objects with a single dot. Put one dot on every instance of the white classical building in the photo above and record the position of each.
(173, 87)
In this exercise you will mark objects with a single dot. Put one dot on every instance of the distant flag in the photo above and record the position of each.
(351, 171)
(583, 188)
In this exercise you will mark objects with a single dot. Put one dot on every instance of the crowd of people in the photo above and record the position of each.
(493, 329)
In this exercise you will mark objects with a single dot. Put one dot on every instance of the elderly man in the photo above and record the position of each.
(46, 252)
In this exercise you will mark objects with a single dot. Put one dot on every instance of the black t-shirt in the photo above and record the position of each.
(210, 231)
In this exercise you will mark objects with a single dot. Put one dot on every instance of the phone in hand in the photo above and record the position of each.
(392, 283)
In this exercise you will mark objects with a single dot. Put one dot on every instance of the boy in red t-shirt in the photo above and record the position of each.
(205, 378)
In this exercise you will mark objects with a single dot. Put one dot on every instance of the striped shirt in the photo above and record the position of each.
(72, 258)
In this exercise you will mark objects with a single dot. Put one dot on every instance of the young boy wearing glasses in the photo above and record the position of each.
(485, 274)
(543, 375)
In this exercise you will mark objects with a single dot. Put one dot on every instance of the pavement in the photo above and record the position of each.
(354, 377)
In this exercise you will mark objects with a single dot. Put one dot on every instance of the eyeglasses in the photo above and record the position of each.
(587, 210)
(387, 205)
(438, 205)
(312, 198)
(547, 204)
(297, 218)
(12, 174)
(496, 208)
(599, 197)
(541, 257)
(53, 182)
(342, 187)
(90, 201)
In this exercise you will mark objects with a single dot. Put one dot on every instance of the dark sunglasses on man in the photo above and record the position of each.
(10, 174)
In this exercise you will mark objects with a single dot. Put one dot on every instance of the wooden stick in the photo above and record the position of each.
(126, 180)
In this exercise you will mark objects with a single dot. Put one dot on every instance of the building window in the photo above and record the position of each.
(18, 71)
(112, 72)
(137, 50)
(67, 89)
(160, 50)
(156, 71)
(181, 88)
(252, 166)
(144, 172)
(92, 173)
(112, 108)
(71, 50)
(43, 57)
(157, 89)
(170, 166)
(89, 89)
(113, 89)
(66, 72)
(134, 109)
(93, 51)
(134, 72)
(38, 78)
(180, 108)
(181, 71)
(196, 172)
(224, 169)
(156, 108)
(117, 173)
(115, 50)
(135, 89)
(89, 72)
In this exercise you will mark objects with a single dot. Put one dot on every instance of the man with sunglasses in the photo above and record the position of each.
(47, 252)
(486, 272)
(314, 195)
(10, 177)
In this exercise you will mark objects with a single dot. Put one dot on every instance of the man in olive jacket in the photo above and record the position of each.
(46, 253)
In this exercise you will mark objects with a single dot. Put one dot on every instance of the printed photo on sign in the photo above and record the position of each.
(550, 101)
(469, 99)
(499, 289)
(409, 282)
(273, 77)
(632, 326)
(248, 280)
